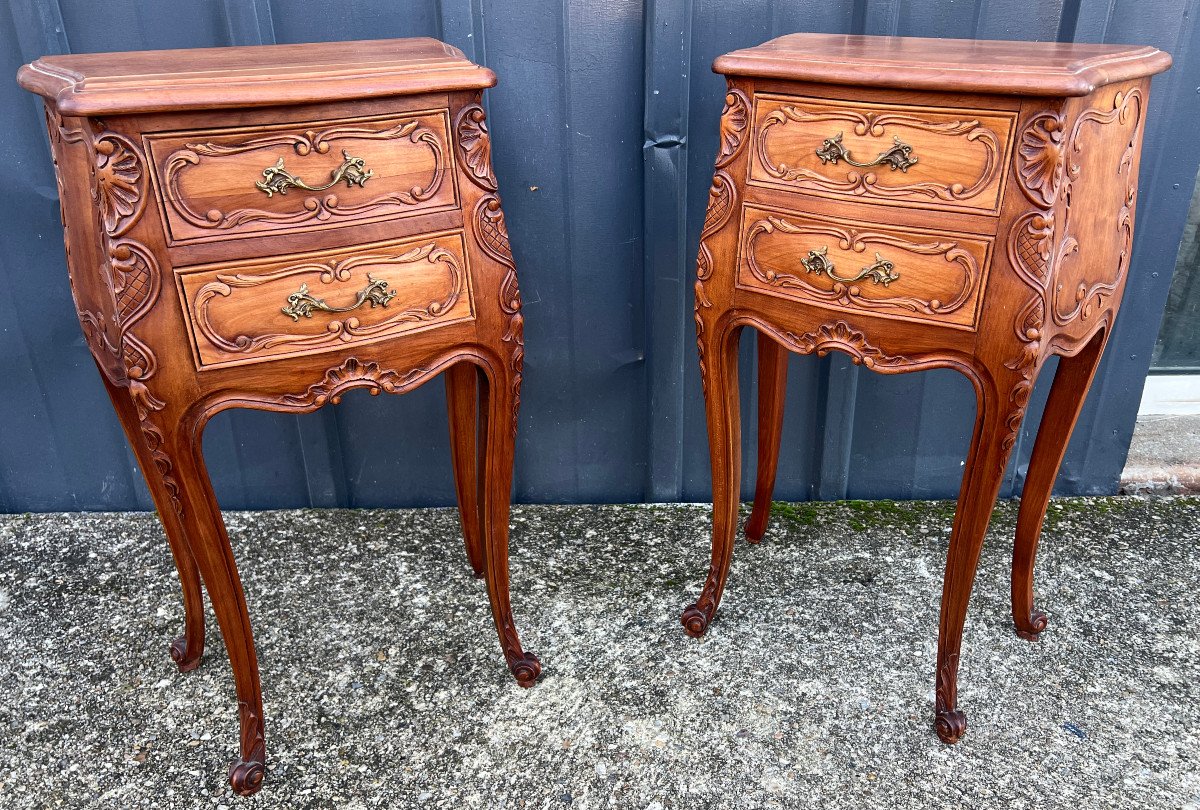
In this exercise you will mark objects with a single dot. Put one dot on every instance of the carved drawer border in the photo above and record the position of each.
(743, 259)
(449, 174)
(1003, 159)
(193, 329)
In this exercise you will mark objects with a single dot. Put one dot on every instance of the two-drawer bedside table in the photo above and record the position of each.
(270, 228)
(920, 204)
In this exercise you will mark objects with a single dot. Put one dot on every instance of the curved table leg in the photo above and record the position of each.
(719, 368)
(1067, 395)
(772, 390)
(214, 556)
(462, 402)
(497, 434)
(998, 407)
(187, 649)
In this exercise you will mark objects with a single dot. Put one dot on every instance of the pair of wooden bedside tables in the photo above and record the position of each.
(272, 227)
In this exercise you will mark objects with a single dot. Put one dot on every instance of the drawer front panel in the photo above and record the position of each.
(215, 184)
(939, 158)
(857, 266)
(251, 311)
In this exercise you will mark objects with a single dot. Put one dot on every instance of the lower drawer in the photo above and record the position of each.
(858, 266)
(250, 311)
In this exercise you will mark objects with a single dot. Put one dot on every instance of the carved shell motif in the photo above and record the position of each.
(1041, 163)
(475, 149)
(734, 120)
(120, 183)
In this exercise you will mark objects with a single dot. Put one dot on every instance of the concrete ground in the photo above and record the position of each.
(384, 684)
(1164, 456)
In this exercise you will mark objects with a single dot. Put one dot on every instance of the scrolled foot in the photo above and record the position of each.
(183, 658)
(246, 777)
(1034, 627)
(755, 534)
(950, 726)
(526, 670)
(695, 621)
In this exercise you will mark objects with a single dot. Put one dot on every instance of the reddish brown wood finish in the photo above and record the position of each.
(990, 290)
(188, 317)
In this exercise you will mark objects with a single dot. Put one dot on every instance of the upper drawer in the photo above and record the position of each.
(913, 156)
(222, 183)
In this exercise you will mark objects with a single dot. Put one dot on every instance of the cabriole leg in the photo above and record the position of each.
(719, 370)
(981, 484)
(1067, 395)
(498, 434)
(187, 649)
(462, 402)
(214, 556)
(772, 389)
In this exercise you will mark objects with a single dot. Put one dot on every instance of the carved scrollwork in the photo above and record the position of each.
(313, 206)
(850, 293)
(351, 374)
(722, 196)
(490, 230)
(949, 723)
(120, 182)
(514, 338)
(492, 236)
(329, 272)
(841, 336)
(875, 124)
(246, 775)
(134, 275)
(1033, 250)
(1087, 296)
(475, 146)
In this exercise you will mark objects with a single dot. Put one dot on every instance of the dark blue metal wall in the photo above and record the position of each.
(604, 125)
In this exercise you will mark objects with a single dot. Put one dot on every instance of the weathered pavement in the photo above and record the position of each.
(384, 684)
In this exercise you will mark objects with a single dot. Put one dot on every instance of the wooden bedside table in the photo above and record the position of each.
(270, 228)
(918, 204)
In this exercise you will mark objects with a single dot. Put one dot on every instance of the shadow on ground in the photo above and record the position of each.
(384, 684)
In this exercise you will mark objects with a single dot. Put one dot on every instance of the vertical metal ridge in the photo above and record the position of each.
(665, 262)
(39, 27)
(568, 174)
(835, 427)
(249, 22)
(1107, 421)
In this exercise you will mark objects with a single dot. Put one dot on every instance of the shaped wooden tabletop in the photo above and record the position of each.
(206, 78)
(959, 65)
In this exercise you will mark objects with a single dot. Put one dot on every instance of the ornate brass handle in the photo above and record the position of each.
(881, 272)
(276, 178)
(301, 303)
(898, 157)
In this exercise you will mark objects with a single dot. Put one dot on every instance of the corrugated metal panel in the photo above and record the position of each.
(604, 124)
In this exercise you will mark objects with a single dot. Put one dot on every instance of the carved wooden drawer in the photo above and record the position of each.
(916, 275)
(219, 183)
(883, 153)
(249, 311)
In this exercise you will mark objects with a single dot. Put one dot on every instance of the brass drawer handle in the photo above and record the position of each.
(301, 303)
(881, 272)
(276, 178)
(898, 157)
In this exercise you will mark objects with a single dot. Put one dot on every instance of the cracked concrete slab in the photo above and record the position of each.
(384, 685)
